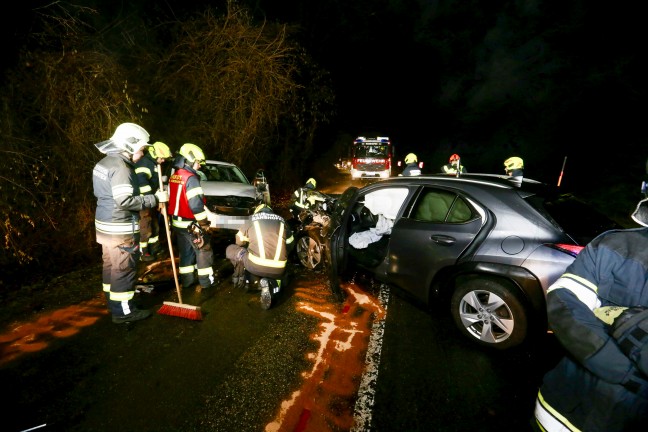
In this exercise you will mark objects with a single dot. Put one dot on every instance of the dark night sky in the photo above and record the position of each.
(488, 79)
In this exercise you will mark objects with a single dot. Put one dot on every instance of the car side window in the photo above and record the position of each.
(441, 206)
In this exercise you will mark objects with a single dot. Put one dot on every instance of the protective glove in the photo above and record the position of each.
(162, 196)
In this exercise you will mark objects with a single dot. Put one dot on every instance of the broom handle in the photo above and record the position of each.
(168, 233)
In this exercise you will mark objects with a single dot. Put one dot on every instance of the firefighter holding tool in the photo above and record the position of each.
(146, 169)
(117, 217)
(189, 218)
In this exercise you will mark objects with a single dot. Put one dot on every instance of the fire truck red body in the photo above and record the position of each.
(371, 158)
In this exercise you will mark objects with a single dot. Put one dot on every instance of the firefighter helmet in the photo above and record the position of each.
(130, 137)
(410, 158)
(261, 207)
(160, 150)
(311, 183)
(513, 163)
(192, 153)
(454, 158)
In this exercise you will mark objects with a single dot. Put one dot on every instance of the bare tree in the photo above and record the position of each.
(65, 94)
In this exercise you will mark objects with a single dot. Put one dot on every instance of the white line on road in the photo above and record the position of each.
(367, 390)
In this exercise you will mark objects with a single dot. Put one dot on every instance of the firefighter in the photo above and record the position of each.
(411, 167)
(187, 205)
(514, 167)
(262, 246)
(147, 174)
(598, 311)
(454, 165)
(117, 217)
(305, 198)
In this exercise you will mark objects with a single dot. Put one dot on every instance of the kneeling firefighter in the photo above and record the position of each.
(262, 247)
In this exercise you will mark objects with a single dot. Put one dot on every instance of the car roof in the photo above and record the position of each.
(525, 188)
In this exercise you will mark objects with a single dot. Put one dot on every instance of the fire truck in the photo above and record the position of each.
(371, 158)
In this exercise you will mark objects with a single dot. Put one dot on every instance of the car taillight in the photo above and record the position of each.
(572, 250)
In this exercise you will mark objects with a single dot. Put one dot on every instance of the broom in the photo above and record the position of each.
(171, 308)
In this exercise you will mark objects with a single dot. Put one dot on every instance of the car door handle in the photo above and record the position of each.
(443, 240)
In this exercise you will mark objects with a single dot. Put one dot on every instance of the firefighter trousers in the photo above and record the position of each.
(119, 273)
(194, 260)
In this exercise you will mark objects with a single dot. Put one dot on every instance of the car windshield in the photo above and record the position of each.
(224, 173)
(371, 151)
(575, 217)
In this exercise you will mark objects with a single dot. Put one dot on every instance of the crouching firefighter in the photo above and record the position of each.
(262, 247)
(189, 218)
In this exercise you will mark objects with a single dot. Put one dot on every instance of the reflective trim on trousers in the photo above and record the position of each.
(192, 258)
(118, 275)
(550, 419)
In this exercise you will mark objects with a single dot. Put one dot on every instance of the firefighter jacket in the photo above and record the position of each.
(452, 169)
(411, 169)
(186, 198)
(146, 169)
(596, 387)
(266, 234)
(305, 198)
(118, 201)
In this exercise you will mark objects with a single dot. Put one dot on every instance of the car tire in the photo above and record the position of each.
(309, 251)
(490, 313)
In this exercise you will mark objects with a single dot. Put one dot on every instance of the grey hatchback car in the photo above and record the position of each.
(481, 245)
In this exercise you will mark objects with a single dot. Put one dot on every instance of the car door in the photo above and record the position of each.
(432, 234)
(335, 237)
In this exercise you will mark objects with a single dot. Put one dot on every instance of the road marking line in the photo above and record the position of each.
(366, 392)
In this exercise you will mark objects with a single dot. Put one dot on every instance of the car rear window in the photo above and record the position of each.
(580, 220)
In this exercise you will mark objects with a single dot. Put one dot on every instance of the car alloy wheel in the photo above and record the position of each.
(487, 311)
(309, 252)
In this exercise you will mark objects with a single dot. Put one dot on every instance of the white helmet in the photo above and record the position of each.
(130, 137)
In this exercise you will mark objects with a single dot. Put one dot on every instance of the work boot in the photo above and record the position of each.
(135, 315)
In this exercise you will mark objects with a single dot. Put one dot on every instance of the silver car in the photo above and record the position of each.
(479, 246)
(230, 195)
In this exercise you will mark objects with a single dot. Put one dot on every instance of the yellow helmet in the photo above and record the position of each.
(411, 158)
(261, 207)
(160, 150)
(513, 163)
(311, 183)
(192, 153)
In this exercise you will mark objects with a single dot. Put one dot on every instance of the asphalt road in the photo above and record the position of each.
(300, 366)
(374, 362)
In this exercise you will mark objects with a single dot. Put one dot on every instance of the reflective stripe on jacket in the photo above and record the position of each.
(147, 177)
(266, 233)
(596, 387)
(118, 202)
(186, 198)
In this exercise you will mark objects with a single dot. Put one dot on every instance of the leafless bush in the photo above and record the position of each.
(234, 84)
(64, 95)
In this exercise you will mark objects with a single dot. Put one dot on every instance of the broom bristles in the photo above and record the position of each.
(181, 310)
